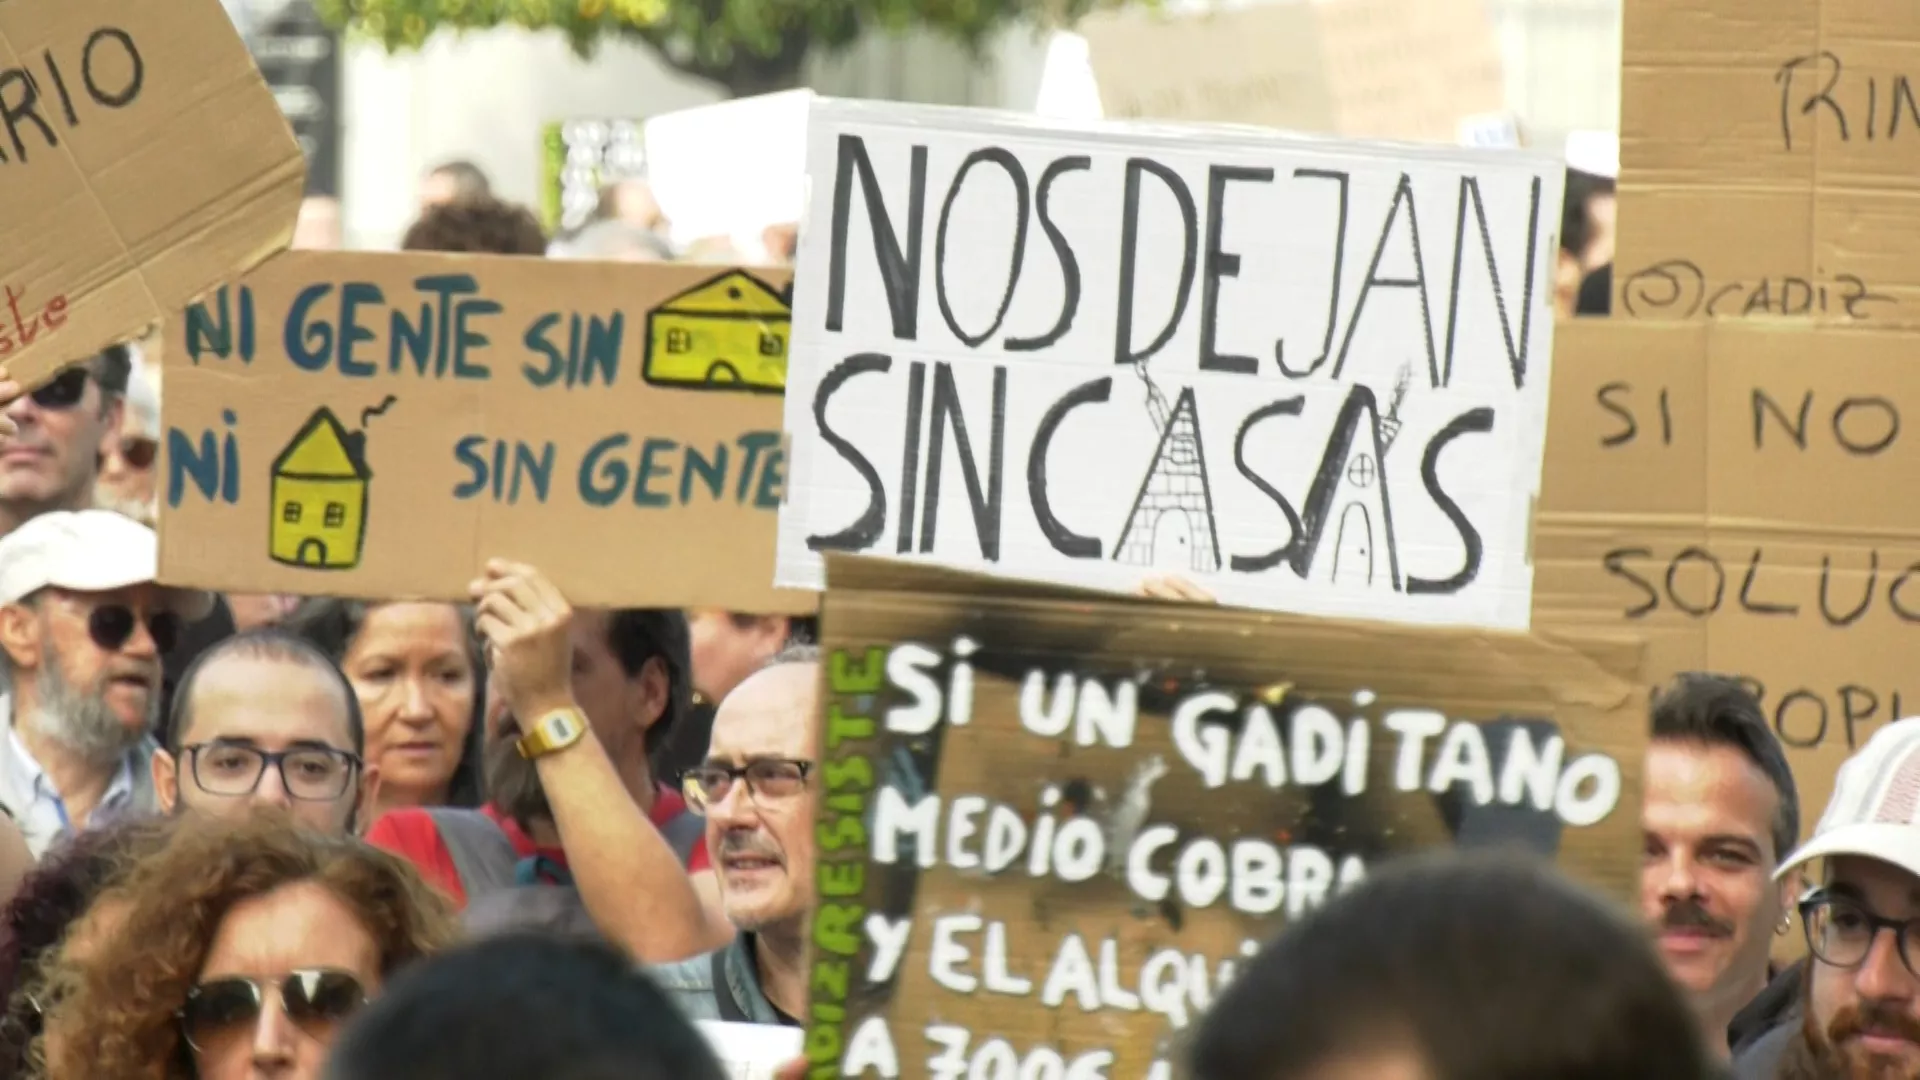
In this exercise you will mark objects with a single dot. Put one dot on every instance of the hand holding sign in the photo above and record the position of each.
(1173, 587)
(10, 392)
(525, 621)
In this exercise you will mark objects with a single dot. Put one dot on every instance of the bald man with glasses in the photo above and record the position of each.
(264, 719)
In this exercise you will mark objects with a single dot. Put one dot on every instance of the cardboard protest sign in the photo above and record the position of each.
(1727, 492)
(1051, 824)
(142, 161)
(1377, 69)
(1310, 375)
(1767, 160)
(377, 425)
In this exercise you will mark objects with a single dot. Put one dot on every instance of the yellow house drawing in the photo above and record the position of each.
(319, 501)
(729, 333)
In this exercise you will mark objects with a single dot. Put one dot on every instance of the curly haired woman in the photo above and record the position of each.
(238, 950)
(47, 909)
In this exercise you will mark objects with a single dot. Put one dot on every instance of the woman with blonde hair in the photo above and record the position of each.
(236, 950)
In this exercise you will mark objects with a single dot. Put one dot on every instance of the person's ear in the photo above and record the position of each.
(368, 798)
(20, 635)
(1790, 888)
(166, 780)
(651, 692)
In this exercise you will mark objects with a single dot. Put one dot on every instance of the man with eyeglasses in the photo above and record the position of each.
(757, 791)
(62, 429)
(264, 719)
(82, 627)
(1860, 1013)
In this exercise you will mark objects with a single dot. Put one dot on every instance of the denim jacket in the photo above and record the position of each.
(692, 986)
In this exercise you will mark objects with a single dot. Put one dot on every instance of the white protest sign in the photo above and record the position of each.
(1310, 375)
(752, 1051)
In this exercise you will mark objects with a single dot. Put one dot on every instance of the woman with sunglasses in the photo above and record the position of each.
(238, 951)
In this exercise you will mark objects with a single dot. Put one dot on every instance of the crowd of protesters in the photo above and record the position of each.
(253, 836)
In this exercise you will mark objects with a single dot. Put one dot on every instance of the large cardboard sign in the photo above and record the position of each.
(1730, 492)
(142, 161)
(1051, 824)
(1768, 150)
(378, 425)
(1311, 375)
(1375, 69)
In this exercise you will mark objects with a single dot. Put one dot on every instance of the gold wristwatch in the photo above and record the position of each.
(552, 733)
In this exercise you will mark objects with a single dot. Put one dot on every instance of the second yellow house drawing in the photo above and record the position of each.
(319, 502)
(728, 333)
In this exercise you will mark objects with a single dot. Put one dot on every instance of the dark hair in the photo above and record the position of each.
(800, 628)
(1481, 966)
(113, 370)
(331, 625)
(50, 898)
(125, 996)
(1718, 710)
(481, 225)
(523, 1005)
(1596, 293)
(1576, 214)
(268, 643)
(637, 635)
(468, 179)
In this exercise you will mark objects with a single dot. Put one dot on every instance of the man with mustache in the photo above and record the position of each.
(60, 432)
(758, 790)
(82, 626)
(1861, 1004)
(578, 836)
(1720, 811)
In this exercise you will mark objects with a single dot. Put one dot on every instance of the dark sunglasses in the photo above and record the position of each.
(111, 627)
(64, 391)
(139, 453)
(315, 999)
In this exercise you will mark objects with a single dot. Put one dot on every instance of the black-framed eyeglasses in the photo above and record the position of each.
(315, 999)
(1841, 931)
(309, 773)
(767, 779)
(63, 391)
(111, 627)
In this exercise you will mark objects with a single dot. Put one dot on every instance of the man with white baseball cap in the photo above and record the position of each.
(82, 628)
(1860, 1010)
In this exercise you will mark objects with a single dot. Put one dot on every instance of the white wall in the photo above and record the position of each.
(483, 97)
(486, 96)
(1562, 62)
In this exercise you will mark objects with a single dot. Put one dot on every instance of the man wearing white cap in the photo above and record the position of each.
(1860, 1015)
(82, 627)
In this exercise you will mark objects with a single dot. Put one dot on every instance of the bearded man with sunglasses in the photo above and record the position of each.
(61, 432)
(82, 627)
